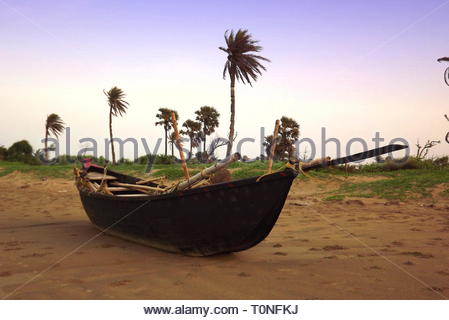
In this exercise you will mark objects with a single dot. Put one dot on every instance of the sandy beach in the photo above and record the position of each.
(350, 249)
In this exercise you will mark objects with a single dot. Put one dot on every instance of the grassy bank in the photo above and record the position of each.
(171, 171)
(400, 185)
(390, 184)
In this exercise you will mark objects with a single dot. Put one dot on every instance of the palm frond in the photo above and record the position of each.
(54, 124)
(241, 62)
(116, 101)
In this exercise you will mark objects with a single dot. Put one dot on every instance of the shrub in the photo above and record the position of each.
(125, 161)
(30, 159)
(441, 161)
(145, 159)
(20, 151)
(3, 153)
(163, 159)
(202, 157)
(193, 161)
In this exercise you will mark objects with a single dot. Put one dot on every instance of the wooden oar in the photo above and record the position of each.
(137, 187)
(179, 145)
(150, 180)
(273, 146)
(204, 174)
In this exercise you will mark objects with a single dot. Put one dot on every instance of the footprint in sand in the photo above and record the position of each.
(375, 268)
(392, 203)
(243, 274)
(36, 255)
(120, 283)
(277, 245)
(439, 289)
(443, 272)
(397, 243)
(409, 263)
(355, 202)
(5, 274)
(334, 247)
(278, 253)
(417, 254)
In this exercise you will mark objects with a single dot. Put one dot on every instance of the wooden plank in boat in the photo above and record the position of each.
(116, 189)
(132, 195)
(99, 176)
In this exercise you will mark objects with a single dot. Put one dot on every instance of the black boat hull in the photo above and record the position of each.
(220, 218)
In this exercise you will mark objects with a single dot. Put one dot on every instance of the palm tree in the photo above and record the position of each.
(242, 64)
(54, 125)
(285, 141)
(164, 117)
(208, 117)
(192, 130)
(117, 106)
(172, 142)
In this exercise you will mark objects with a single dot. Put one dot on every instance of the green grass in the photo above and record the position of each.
(172, 172)
(398, 184)
(402, 184)
(40, 171)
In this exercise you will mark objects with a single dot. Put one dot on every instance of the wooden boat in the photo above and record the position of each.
(213, 219)
(203, 221)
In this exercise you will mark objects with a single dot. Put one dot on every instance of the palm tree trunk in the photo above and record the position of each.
(231, 126)
(165, 141)
(204, 145)
(172, 150)
(46, 144)
(110, 135)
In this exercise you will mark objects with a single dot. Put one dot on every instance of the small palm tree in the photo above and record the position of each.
(241, 64)
(208, 117)
(192, 130)
(172, 142)
(285, 140)
(54, 125)
(164, 117)
(117, 106)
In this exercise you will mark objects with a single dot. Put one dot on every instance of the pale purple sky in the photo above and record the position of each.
(354, 67)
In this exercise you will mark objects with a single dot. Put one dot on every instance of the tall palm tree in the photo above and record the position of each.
(54, 125)
(192, 130)
(117, 106)
(242, 65)
(208, 117)
(164, 117)
(446, 72)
